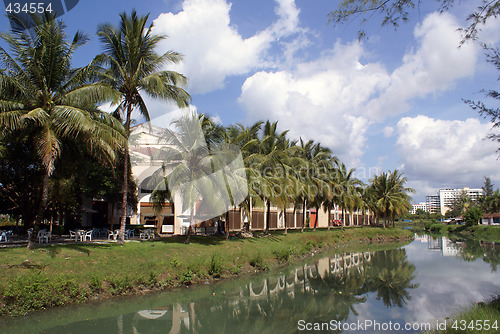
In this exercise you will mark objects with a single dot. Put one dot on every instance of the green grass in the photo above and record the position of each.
(468, 321)
(57, 275)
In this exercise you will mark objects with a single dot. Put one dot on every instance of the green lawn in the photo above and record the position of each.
(56, 275)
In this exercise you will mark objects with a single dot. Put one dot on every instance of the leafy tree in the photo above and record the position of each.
(51, 103)
(133, 67)
(473, 214)
(459, 205)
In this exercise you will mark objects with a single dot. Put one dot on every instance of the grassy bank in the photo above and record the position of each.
(482, 232)
(483, 315)
(57, 275)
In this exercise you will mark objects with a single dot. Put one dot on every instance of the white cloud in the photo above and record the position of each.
(213, 49)
(446, 153)
(434, 67)
(388, 131)
(335, 98)
(319, 100)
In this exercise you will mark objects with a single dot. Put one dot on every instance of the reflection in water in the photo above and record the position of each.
(468, 249)
(343, 287)
(328, 289)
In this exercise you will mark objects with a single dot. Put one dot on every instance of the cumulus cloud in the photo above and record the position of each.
(319, 100)
(446, 153)
(212, 48)
(388, 131)
(335, 98)
(434, 67)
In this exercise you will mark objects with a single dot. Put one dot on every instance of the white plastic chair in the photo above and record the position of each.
(73, 235)
(88, 235)
(3, 237)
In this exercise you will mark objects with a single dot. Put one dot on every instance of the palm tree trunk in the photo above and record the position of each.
(316, 218)
(304, 214)
(190, 229)
(343, 219)
(250, 214)
(226, 225)
(385, 219)
(265, 216)
(41, 209)
(329, 211)
(268, 214)
(123, 221)
(284, 219)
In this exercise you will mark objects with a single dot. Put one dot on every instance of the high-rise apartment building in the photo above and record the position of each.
(443, 201)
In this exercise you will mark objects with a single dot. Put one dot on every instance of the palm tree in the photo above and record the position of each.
(133, 67)
(269, 161)
(51, 103)
(313, 175)
(347, 189)
(389, 195)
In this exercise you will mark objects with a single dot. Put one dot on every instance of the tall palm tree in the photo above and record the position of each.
(270, 160)
(246, 137)
(51, 103)
(134, 68)
(347, 190)
(389, 194)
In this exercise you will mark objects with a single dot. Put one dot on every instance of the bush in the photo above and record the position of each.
(216, 266)
(187, 277)
(119, 285)
(35, 291)
(283, 255)
(257, 262)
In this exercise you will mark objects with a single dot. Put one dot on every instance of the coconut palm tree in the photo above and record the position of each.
(389, 194)
(133, 68)
(347, 191)
(269, 161)
(51, 103)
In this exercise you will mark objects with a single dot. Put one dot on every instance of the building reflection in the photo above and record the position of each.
(330, 288)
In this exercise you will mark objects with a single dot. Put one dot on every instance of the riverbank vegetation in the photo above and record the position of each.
(481, 318)
(482, 232)
(58, 275)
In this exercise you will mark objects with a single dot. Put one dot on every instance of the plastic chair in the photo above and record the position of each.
(73, 235)
(88, 235)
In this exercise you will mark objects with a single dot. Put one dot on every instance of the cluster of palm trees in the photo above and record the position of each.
(54, 106)
(297, 175)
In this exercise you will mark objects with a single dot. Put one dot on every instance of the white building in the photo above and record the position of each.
(415, 207)
(447, 196)
(443, 201)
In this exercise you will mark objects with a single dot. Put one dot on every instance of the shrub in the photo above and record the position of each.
(119, 285)
(187, 277)
(216, 266)
(283, 255)
(257, 262)
(35, 291)
(175, 263)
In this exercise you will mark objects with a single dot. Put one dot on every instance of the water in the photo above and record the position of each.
(416, 286)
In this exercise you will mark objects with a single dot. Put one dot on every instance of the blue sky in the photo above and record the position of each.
(391, 101)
